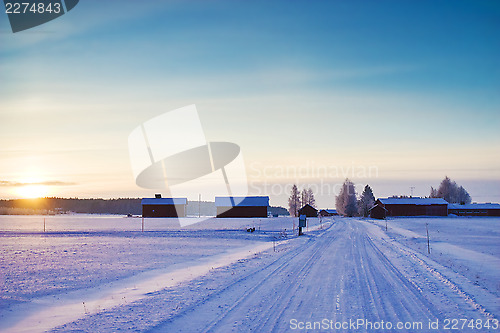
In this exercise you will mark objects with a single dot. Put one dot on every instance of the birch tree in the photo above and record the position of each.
(310, 198)
(346, 202)
(451, 192)
(294, 201)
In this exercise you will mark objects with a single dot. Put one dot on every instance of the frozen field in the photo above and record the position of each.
(469, 246)
(479, 234)
(101, 273)
(102, 255)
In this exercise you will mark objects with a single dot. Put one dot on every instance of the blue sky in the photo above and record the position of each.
(408, 87)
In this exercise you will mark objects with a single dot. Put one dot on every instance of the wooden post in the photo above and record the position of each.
(386, 224)
(428, 241)
(44, 224)
(143, 224)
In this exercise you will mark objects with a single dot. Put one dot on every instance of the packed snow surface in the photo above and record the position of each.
(103, 274)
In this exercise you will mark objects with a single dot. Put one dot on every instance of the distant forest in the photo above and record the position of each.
(60, 205)
(124, 206)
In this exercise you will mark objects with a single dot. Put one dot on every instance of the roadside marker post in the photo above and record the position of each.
(428, 240)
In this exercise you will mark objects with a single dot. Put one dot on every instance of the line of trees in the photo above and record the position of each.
(348, 204)
(299, 199)
(60, 205)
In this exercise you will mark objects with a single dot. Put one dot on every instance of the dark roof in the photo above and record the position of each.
(164, 201)
(475, 206)
(242, 201)
(307, 206)
(413, 201)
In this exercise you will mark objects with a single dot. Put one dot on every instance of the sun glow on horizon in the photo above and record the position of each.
(33, 191)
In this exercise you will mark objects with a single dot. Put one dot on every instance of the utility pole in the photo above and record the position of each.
(411, 190)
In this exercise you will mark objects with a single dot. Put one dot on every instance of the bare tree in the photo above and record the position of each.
(345, 202)
(303, 198)
(446, 190)
(294, 201)
(310, 198)
(451, 192)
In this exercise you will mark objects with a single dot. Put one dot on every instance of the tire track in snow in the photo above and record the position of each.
(257, 282)
(426, 308)
(376, 290)
(391, 295)
(318, 251)
(349, 272)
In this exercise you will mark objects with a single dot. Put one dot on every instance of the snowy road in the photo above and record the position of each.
(351, 273)
(352, 277)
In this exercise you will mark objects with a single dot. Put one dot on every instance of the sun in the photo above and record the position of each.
(33, 191)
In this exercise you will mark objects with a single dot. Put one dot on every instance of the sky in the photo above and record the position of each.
(395, 94)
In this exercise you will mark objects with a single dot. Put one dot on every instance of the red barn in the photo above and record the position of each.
(328, 212)
(378, 212)
(308, 211)
(241, 206)
(414, 206)
(475, 209)
(164, 207)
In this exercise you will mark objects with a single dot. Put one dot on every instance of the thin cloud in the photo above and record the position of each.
(8, 183)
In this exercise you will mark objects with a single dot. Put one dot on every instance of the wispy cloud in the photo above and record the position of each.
(8, 183)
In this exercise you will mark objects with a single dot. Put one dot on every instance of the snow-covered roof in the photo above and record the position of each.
(413, 201)
(377, 206)
(241, 201)
(475, 206)
(331, 211)
(308, 205)
(164, 201)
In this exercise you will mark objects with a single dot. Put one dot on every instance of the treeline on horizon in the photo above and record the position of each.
(48, 206)
(121, 206)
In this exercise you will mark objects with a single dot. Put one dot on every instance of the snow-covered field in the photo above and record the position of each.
(468, 245)
(101, 273)
(82, 255)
